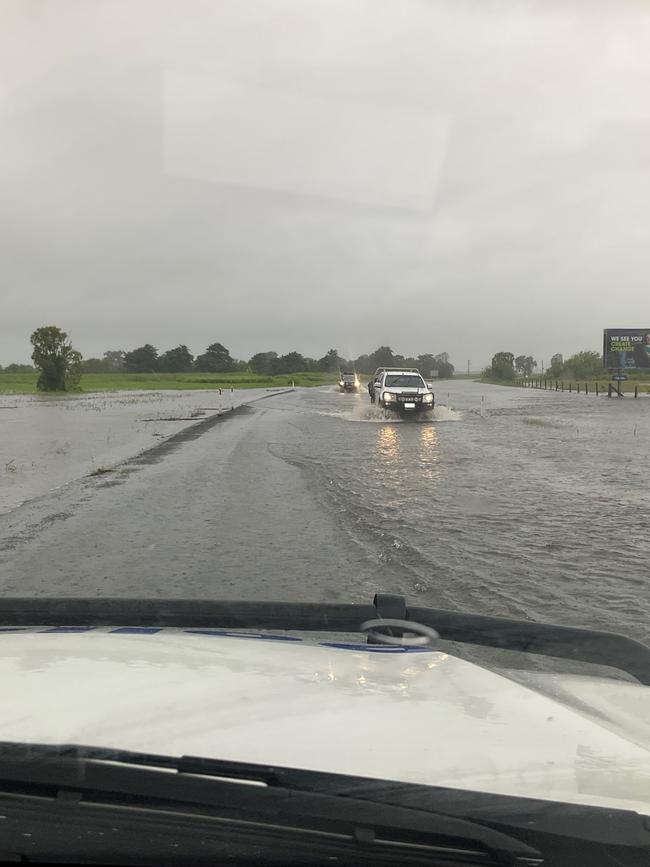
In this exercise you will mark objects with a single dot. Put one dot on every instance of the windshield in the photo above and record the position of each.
(403, 381)
(306, 301)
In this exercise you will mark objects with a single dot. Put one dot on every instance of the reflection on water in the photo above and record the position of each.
(406, 462)
(387, 444)
(429, 452)
(389, 447)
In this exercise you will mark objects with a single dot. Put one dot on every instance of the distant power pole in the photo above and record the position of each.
(542, 367)
(468, 368)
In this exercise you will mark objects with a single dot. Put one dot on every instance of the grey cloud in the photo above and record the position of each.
(537, 232)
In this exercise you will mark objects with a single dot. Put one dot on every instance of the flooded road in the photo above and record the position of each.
(510, 502)
(48, 440)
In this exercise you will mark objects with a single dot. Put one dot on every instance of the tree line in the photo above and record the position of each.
(217, 359)
(60, 366)
(585, 364)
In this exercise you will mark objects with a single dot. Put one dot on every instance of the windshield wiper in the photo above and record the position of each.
(267, 800)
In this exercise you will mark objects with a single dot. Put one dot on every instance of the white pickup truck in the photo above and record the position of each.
(404, 392)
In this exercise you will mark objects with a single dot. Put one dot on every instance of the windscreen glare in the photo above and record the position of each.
(404, 381)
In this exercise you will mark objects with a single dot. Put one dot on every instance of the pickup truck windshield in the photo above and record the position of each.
(404, 381)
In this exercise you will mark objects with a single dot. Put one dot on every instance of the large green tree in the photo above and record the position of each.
(215, 359)
(525, 364)
(144, 359)
(583, 365)
(292, 362)
(331, 362)
(59, 364)
(503, 366)
(557, 363)
(261, 362)
(443, 365)
(384, 357)
(114, 359)
(177, 360)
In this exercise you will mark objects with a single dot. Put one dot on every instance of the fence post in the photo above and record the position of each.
(578, 387)
(609, 389)
(596, 389)
(570, 386)
(586, 388)
(562, 385)
(636, 391)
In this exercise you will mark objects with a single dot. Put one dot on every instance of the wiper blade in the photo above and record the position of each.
(283, 799)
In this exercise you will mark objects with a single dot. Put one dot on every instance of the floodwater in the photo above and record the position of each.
(48, 440)
(511, 502)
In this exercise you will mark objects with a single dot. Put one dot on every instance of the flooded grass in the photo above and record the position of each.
(50, 439)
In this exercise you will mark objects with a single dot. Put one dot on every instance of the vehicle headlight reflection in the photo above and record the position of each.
(388, 444)
(429, 452)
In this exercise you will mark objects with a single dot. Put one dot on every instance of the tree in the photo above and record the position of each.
(383, 357)
(502, 366)
(114, 359)
(94, 365)
(261, 362)
(363, 364)
(144, 359)
(583, 365)
(19, 368)
(292, 362)
(443, 365)
(525, 364)
(557, 363)
(331, 362)
(215, 359)
(178, 360)
(59, 364)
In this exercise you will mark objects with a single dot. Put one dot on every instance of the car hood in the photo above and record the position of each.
(420, 717)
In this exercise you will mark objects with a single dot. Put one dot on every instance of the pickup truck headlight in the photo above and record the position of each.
(388, 395)
(428, 398)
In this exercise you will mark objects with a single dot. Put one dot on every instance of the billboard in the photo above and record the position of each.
(627, 348)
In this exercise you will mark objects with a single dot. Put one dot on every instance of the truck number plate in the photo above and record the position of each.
(409, 406)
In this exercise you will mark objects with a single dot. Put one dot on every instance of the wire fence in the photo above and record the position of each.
(610, 389)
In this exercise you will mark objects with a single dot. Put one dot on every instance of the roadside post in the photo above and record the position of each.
(618, 377)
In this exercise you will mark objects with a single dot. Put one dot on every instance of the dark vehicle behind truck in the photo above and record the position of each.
(349, 382)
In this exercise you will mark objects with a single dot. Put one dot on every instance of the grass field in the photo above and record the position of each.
(25, 383)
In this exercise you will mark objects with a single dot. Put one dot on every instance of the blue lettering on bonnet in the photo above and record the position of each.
(154, 630)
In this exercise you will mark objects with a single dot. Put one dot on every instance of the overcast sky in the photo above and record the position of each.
(468, 176)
